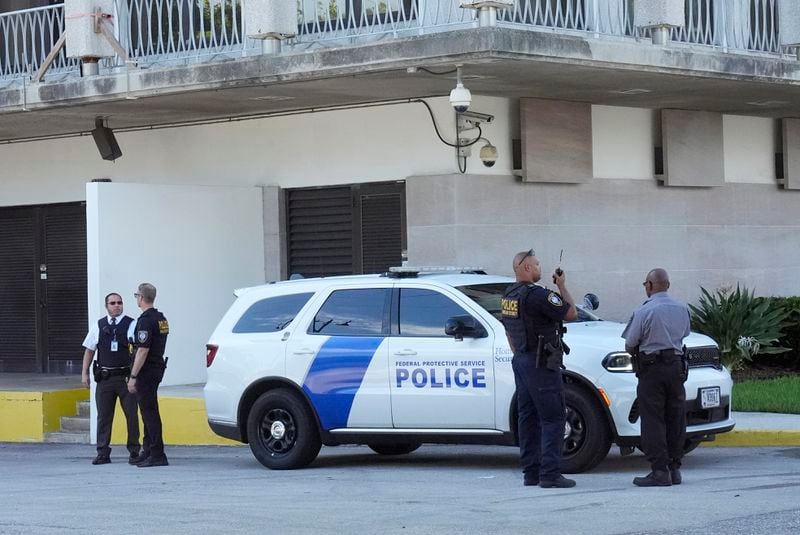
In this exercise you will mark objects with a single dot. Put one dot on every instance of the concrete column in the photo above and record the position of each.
(79, 23)
(271, 21)
(791, 153)
(659, 16)
(789, 23)
(274, 234)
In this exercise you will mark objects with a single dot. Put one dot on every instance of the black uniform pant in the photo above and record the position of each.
(662, 406)
(147, 394)
(105, 395)
(542, 417)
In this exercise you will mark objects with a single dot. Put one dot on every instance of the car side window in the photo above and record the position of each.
(271, 314)
(360, 312)
(425, 312)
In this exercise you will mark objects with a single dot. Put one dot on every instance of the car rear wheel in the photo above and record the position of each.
(282, 431)
(395, 449)
(587, 437)
(690, 445)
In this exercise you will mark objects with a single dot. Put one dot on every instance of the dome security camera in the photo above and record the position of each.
(460, 98)
(488, 154)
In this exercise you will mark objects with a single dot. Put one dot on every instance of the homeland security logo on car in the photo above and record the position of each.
(441, 374)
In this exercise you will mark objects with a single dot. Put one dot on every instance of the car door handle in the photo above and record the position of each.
(405, 353)
(304, 351)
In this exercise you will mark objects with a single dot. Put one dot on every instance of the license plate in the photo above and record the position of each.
(709, 397)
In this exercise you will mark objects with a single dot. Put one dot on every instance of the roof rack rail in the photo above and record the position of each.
(404, 272)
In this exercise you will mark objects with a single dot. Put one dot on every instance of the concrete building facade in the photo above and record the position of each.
(625, 153)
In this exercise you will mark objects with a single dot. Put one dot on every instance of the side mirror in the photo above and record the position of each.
(462, 327)
(591, 302)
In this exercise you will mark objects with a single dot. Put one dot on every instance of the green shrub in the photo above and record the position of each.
(742, 325)
(791, 336)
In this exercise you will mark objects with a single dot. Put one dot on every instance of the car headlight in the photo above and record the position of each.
(618, 362)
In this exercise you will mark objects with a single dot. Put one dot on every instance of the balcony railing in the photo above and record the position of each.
(160, 31)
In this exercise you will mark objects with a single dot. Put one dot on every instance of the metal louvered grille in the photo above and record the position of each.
(345, 230)
(381, 234)
(17, 293)
(704, 356)
(320, 231)
(65, 257)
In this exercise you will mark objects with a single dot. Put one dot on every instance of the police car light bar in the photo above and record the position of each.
(412, 271)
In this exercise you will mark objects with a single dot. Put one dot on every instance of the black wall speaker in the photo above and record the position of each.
(105, 141)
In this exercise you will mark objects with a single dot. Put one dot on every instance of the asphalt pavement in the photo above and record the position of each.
(53, 488)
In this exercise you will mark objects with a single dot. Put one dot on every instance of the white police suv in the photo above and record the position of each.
(409, 357)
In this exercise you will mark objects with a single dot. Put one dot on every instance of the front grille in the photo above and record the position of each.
(694, 414)
(708, 416)
(704, 356)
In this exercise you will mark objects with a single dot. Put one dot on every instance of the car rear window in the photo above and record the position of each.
(271, 314)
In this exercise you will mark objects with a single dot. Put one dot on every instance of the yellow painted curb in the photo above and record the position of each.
(760, 437)
(27, 416)
(184, 423)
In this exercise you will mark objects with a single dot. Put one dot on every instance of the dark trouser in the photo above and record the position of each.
(147, 393)
(542, 417)
(662, 406)
(105, 395)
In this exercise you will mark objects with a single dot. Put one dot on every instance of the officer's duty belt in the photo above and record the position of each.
(105, 373)
(665, 356)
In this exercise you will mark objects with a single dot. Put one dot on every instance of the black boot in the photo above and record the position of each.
(656, 478)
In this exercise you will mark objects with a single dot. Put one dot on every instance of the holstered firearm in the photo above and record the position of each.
(540, 352)
(635, 361)
(96, 371)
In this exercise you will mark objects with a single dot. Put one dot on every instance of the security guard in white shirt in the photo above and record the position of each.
(111, 338)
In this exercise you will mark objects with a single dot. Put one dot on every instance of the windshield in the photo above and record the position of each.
(488, 297)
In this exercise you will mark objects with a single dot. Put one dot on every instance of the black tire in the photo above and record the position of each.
(401, 448)
(282, 431)
(587, 435)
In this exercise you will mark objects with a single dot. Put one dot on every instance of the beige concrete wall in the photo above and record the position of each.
(612, 232)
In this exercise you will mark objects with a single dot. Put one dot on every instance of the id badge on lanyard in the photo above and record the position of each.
(114, 345)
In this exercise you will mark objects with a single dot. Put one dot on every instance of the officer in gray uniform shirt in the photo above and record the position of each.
(654, 337)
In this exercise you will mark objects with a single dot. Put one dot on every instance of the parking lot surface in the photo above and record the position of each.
(52, 488)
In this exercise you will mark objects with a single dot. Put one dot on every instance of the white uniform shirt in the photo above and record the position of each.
(90, 342)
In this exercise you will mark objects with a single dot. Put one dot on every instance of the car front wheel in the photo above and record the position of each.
(587, 437)
(282, 431)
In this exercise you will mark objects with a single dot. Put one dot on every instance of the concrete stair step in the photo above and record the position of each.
(84, 408)
(75, 423)
(67, 438)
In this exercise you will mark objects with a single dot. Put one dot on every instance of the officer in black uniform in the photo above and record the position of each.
(149, 364)
(654, 337)
(110, 337)
(533, 316)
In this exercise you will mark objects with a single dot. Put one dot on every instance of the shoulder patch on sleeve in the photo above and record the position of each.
(554, 299)
(142, 336)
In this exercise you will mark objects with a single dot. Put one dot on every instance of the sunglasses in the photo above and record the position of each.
(529, 253)
(115, 302)
(137, 295)
(645, 283)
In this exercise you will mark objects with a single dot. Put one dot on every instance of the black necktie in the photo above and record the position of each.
(113, 321)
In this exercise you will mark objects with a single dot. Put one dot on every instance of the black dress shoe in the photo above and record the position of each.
(142, 457)
(101, 459)
(153, 461)
(675, 476)
(530, 481)
(656, 478)
(133, 458)
(560, 482)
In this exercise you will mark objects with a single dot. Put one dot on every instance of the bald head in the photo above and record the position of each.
(657, 280)
(526, 267)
